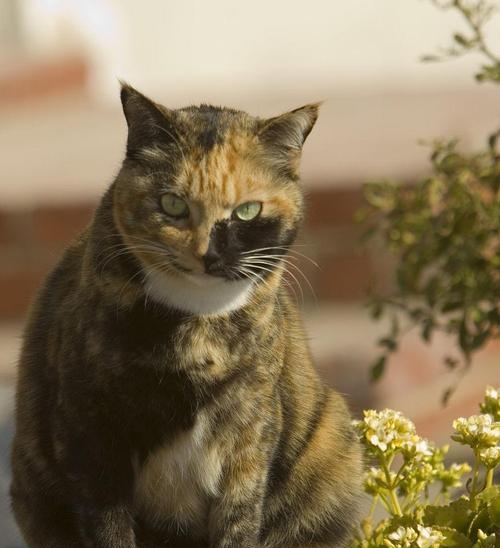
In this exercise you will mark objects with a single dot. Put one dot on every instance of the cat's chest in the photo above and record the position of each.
(175, 483)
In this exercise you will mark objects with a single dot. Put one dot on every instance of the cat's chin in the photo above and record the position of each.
(199, 294)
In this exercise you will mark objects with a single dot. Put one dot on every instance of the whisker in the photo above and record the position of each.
(257, 258)
(286, 249)
(251, 265)
(125, 249)
(287, 282)
(248, 274)
(253, 275)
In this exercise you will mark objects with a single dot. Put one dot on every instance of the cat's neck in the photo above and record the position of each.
(200, 296)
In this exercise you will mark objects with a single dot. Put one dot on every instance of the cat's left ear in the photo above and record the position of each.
(291, 129)
(283, 136)
(148, 123)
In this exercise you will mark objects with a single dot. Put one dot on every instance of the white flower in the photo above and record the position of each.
(422, 447)
(477, 431)
(490, 456)
(429, 537)
(492, 393)
(374, 440)
(417, 448)
(491, 403)
(403, 537)
(386, 431)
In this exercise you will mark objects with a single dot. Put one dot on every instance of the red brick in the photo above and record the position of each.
(15, 229)
(343, 277)
(5, 233)
(57, 226)
(332, 207)
(18, 289)
(28, 81)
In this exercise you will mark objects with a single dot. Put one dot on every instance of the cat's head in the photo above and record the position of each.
(209, 199)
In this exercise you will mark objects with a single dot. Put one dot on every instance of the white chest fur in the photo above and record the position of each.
(176, 481)
(198, 295)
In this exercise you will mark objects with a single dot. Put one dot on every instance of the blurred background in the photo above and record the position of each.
(62, 138)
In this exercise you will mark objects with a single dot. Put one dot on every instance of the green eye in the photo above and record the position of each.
(174, 206)
(248, 211)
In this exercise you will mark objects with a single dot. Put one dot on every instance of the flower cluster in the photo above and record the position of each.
(427, 468)
(477, 431)
(405, 469)
(375, 479)
(491, 404)
(490, 457)
(407, 537)
(387, 432)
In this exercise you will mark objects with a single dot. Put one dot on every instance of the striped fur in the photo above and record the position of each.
(160, 404)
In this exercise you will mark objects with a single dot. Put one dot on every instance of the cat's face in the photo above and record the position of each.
(208, 199)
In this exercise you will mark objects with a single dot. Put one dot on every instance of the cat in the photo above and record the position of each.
(166, 395)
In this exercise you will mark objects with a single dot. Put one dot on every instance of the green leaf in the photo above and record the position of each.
(480, 521)
(450, 362)
(463, 337)
(376, 309)
(377, 369)
(450, 306)
(456, 515)
(430, 58)
(489, 494)
(453, 538)
(389, 343)
(461, 40)
(427, 329)
(445, 398)
(494, 511)
(479, 339)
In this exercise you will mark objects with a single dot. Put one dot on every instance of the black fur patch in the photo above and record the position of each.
(210, 124)
(230, 239)
(211, 133)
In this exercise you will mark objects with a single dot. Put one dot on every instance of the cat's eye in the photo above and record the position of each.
(248, 211)
(174, 206)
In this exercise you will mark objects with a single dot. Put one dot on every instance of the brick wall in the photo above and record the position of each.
(30, 245)
(31, 242)
(28, 80)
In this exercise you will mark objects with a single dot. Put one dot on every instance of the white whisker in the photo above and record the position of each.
(262, 259)
(285, 249)
(260, 267)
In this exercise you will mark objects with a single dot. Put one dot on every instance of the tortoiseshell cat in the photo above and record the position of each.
(166, 396)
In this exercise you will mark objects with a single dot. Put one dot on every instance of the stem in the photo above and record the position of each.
(475, 476)
(366, 524)
(395, 503)
(396, 508)
(372, 507)
(489, 477)
(385, 503)
(476, 28)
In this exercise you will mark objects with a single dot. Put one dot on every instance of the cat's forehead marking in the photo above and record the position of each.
(223, 175)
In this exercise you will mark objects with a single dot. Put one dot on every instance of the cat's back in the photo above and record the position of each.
(53, 303)
(61, 281)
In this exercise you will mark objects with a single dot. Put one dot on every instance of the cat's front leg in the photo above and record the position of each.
(236, 514)
(110, 527)
(101, 480)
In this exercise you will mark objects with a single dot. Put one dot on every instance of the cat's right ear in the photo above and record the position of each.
(148, 124)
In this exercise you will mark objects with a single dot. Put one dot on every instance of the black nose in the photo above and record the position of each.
(213, 262)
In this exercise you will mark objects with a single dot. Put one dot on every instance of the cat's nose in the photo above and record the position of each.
(213, 261)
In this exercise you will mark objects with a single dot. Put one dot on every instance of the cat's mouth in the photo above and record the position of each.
(203, 275)
(202, 279)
